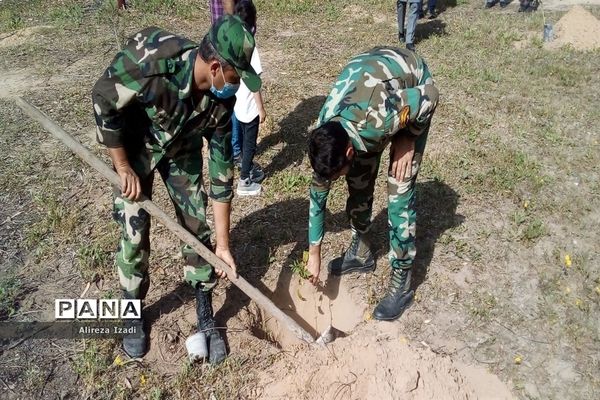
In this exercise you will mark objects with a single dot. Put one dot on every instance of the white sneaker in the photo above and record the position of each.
(246, 187)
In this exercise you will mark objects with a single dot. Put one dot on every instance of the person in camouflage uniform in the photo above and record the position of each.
(386, 95)
(161, 96)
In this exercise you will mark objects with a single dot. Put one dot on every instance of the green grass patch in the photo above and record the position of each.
(68, 14)
(288, 183)
(57, 219)
(10, 288)
(92, 362)
(92, 259)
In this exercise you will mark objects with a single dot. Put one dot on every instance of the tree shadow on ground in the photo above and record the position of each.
(434, 27)
(292, 134)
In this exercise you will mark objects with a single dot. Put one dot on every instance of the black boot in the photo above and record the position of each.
(398, 297)
(135, 344)
(217, 350)
(358, 258)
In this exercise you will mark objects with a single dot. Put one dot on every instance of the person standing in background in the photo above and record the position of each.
(406, 34)
(248, 114)
(220, 7)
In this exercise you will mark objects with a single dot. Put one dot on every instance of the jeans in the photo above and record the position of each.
(236, 136)
(431, 6)
(249, 135)
(413, 15)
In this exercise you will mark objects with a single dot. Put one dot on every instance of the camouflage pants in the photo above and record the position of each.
(401, 202)
(183, 180)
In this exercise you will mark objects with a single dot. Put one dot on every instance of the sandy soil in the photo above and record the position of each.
(577, 28)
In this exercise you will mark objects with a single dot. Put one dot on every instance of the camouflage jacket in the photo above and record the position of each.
(144, 102)
(378, 94)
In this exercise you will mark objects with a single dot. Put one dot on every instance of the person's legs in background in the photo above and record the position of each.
(431, 7)
(248, 185)
(401, 12)
(411, 25)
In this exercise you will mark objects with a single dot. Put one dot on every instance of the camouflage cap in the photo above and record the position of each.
(235, 44)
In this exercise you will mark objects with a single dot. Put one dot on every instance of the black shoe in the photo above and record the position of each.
(490, 4)
(411, 47)
(503, 4)
(217, 351)
(533, 5)
(358, 258)
(523, 6)
(135, 344)
(432, 15)
(401, 37)
(398, 297)
(421, 15)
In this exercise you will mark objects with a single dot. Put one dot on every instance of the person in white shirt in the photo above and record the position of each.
(249, 113)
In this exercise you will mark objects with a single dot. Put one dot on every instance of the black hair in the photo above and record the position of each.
(208, 53)
(246, 10)
(327, 146)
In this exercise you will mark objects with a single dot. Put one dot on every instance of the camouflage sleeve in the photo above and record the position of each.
(220, 163)
(422, 101)
(319, 190)
(119, 86)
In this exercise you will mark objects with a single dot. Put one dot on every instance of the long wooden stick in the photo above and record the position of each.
(96, 163)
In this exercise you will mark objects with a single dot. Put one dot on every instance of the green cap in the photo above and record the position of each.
(235, 44)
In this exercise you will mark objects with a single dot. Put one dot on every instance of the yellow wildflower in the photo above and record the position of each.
(568, 262)
(518, 359)
(142, 379)
(118, 361)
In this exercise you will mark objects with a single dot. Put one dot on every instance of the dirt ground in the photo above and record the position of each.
(507, 275)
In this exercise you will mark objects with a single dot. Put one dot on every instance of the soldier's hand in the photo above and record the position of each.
(313, 266)
(225, 255)
(401, 157)
(130, 182)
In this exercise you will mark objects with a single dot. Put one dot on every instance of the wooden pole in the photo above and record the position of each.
(104, 170)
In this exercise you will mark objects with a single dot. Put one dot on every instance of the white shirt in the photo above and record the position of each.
(245, 108)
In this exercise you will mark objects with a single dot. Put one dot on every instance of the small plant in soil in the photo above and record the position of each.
(299, 267)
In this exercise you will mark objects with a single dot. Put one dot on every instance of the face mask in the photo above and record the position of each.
(228, 90)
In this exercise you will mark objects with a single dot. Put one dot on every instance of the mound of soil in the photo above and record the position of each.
(577, 28)
(376, 362)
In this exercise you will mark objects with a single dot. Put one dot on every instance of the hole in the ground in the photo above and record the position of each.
(314, 309)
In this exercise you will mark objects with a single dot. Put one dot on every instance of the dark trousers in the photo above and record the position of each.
(249, 134)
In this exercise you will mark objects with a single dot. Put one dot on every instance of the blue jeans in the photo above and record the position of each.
(431, 6)
(236, 136)
(413, 15)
